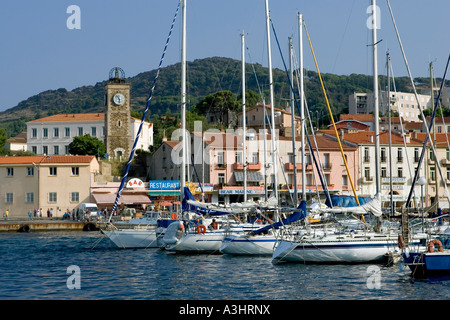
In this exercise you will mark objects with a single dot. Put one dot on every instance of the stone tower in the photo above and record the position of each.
(117, 118)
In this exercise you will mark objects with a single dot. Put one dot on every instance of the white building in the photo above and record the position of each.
(404, 103)
(53, 134)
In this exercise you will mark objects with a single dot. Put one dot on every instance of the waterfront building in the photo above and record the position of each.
(404, 103)
(404, 152)
(52, 182)
(52, 135)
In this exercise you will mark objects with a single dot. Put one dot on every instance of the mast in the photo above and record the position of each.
(436, 199)
(274, 151)
(388, 58)
(302, 106)
(183, 100)
(243, 117)
(375, 96)
(295, 199)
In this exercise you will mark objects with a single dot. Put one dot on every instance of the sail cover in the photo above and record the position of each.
(299, 214)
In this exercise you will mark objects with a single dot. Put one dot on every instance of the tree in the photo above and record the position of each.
(87, 145)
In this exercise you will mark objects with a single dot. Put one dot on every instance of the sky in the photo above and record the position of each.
(45, 46)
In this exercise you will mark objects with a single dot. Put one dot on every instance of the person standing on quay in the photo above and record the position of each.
(6, 214)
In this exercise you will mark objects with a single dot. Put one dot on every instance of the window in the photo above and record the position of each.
(432, 174)
(238, 157)
(367, 174)
(383, 154)
(366, 154)
(66, 148)
(56, 132)
(10, 172)
(67, 132)
(45, 149)
(220, 158)
(255, 158)
(416, 154)
(9, 198)
(399, 155)
(80, 131)
(383, 172)
(52, 197)
(448, 173)
(45, 133)
(34, 149)
(30, 171)
(74, 197)
(221, 178)
(29, 197)
(309, 180)
(344, 180)
(400, 172)
(56, 150)
(75, 171)
(52, 171)
(326, 161)
(94, 131)
(34, 133)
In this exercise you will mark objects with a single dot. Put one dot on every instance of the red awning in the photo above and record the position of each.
(126, 199)
(165, 204)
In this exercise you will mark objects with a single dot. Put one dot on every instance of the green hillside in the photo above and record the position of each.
(204, 77)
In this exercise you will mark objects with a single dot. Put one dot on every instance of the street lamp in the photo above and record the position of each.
(421, 181)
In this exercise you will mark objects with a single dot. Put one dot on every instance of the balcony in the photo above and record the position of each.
(250, 166)
(221, 166)
(367, 180)
(445, 162)
(290, 166)
(327, 167)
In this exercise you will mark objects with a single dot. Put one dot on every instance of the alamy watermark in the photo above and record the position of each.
(374, 19)
(374, 279)
(74, 280)
(74, 20)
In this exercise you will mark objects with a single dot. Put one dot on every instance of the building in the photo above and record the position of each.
(404, 103)
(17, 143)
(404, 152)
(46, 182)
(52, 135)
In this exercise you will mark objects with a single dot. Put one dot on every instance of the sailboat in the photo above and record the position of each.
(148, 236)
(264, 240)
(334, 243)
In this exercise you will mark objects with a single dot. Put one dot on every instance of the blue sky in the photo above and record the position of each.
(39, 52)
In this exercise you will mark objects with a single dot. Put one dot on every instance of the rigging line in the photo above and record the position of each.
(331, 117)
(122, 183)
(420, 109)
(403, 132)
(298, 107)
(312, 130)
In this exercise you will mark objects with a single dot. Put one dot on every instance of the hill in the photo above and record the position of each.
(204, 76)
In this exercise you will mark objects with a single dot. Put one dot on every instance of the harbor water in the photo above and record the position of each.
(79, 265)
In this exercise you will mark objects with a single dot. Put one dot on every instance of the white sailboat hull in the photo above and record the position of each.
(134, 238)
(249, 245)
(333, 250)
(198, 242)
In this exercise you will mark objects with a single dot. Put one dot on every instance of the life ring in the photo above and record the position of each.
(435, 242)
(258, 221)
(174, 216)
(201, 228)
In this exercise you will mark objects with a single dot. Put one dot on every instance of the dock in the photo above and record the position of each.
(45, 224)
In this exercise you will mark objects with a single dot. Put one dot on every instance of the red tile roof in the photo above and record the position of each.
(45, 159)
(72, 117)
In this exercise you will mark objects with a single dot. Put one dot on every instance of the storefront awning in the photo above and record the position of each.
(251, 176)
(126, 199)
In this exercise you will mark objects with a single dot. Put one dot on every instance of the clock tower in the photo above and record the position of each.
(117, 118)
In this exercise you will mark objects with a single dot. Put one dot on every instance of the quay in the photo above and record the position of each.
(30, 225)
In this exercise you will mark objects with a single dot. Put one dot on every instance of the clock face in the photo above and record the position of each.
(119, 99)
